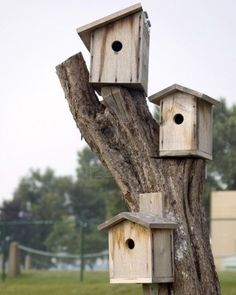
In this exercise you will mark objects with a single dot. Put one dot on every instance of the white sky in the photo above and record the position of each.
(193, 43)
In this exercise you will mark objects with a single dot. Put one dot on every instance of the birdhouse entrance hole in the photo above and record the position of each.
(130, 244)
(116, 46)
(178, 118)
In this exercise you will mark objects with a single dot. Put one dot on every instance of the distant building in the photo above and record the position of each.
(223, 229)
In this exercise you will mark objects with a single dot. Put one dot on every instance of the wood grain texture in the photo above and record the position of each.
(173, 136)
(129, 66)
(162, 255)
(157, 97)
(116, 67)
(186, 154)
(130, 151)
(152, 203)
(205, 127)
(191, 138)
(144, 53)
(162, 243)
(151, 234)
(130, 265)
(146, 219)
(112, 95)
(85, 31)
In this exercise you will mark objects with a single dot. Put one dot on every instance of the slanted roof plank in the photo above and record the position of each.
(84, 31)
(147, 220)
(156, 98)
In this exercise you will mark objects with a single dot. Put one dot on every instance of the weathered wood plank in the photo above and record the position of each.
(84, 31)
(130, 264)
(163, 259)
(185, 154)
(162, 263)
(205, 127)
(144, 54)
(127, 66)
(176, 136)
(148, 220)
(152, 203)
(111, 96)
(157, 97)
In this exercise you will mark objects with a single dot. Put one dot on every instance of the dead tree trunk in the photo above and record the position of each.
(124, 135)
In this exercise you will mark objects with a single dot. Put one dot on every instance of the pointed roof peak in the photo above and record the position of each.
(147, 220)
(157, 97)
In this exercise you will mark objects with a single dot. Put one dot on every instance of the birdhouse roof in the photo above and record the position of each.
(85, 31)
(147, 220)
(156, 98)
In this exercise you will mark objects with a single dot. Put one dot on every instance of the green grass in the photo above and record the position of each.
(228, 283)
(64, 283)
(67, 283)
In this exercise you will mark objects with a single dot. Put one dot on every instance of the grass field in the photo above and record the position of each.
(67, 283)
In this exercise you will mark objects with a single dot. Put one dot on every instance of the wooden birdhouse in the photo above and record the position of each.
(185, 122)
(140, 248)
(119, 48)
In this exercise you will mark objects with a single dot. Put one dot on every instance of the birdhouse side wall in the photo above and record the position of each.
(144, 54)
(163, 268)
(178, 124)
(128, 265)
(111, 65)
(205, 127)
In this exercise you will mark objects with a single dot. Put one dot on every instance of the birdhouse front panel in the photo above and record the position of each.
(130, 253)
(119, 53)
(178, 127)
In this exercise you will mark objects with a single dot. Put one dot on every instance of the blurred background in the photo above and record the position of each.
(54, 191)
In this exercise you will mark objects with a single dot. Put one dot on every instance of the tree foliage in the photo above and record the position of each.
(222, 170)
(221, 174)
(67, 204)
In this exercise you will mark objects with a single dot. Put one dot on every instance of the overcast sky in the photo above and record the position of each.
(193, 43)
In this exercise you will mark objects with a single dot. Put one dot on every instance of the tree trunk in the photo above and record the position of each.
(124, 135)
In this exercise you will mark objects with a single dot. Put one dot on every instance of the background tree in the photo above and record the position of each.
(92, 175)
(222, 170)
(39, 196)
(95, 196)
(63, 237)
(91, 197)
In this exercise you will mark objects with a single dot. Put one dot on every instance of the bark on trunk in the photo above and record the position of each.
(124, 135)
